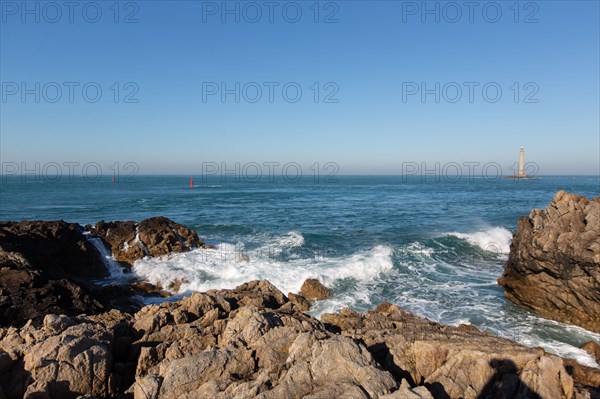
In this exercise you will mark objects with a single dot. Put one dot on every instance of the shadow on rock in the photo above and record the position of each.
(505, 383)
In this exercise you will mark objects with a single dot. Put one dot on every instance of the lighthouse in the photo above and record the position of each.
(520, 173)
(522, 163)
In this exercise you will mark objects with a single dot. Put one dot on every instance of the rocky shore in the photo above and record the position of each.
(554, 262)
(64, 335)
(51, 267)
(254, 342)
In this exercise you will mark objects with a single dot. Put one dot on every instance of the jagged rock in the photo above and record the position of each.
(313, 289)
(147, 388)
(57, 248)
(554, 262)
(593, 349)
(50, 267)
(155, 236)
(250, 342)
(301, 303)
(259, 293)
(439, 356)
(57, 323)
(583, 375)
(42, 265)
(147, 288)
(29, 292)
(407, 392)
(76, 361)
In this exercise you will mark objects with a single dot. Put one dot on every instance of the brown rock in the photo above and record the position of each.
(75, 362)
(260, 293)
(250, 342)
(28, 292)
(150, 289)
(313, 289)
(439, 356)
(58, 248)
(554, 262)
(130, 241)
(51, 267)
(583, 375)
(593, 349)
(175, 285)
(301, 303)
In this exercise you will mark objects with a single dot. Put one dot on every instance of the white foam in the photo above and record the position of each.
(293, 239)
(425, 285)
(417, 248)
(116, 272)
(495, 239)
(228, 266)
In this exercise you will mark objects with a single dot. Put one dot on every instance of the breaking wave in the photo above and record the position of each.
(495, 239)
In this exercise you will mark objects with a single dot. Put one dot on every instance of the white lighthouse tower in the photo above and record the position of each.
(522, 163)
(520, 173)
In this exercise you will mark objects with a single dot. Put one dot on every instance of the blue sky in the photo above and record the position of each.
(371, 57)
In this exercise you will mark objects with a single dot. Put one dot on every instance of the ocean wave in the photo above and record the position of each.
(229, 265)
(412, 275)
(495, 239)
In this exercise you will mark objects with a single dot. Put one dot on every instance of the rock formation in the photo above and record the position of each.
(57, 247)
(130, 241)
(313, 289)
(252, 342)
(554, 262)
(50, 267)
(593, 348)
(42, 269)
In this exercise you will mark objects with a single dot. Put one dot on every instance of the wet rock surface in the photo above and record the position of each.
(130, 241)
(554, 262)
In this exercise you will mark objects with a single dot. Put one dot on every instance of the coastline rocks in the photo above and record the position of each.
(157, 236)
(313, 289)
(251, 342)
(28, 292)
(301, 303)
(50, 267)
(454, 362)
(64, 357)
(554, 262)
(593, 349)
(56, 247)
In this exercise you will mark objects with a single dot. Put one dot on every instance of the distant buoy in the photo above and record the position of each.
(191, 182)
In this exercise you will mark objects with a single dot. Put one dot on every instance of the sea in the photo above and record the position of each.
(433, 246)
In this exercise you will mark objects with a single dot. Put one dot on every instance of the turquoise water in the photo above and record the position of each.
(433, 246)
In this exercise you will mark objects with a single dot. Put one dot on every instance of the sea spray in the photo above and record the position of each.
(495, 239)
(116, 272)
(229, 265)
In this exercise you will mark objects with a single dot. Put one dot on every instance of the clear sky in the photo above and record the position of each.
(370, 60)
